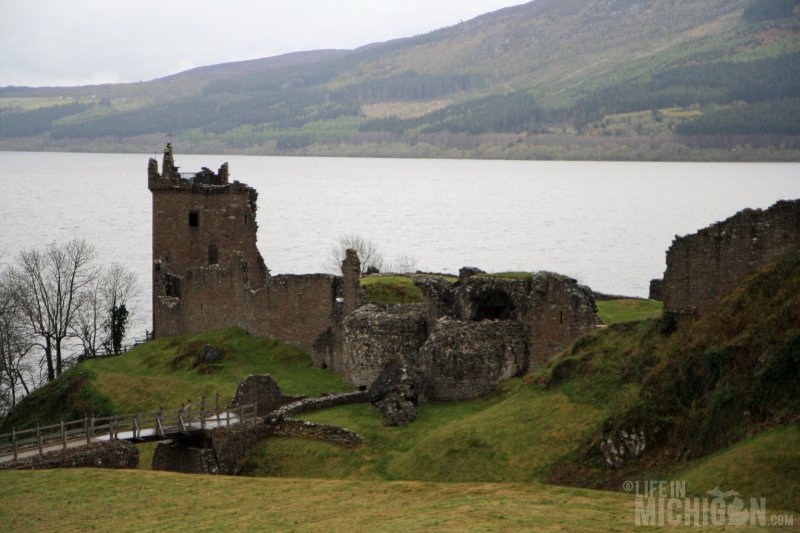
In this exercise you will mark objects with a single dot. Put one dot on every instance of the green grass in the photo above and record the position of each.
(764, 466)
(85, 499)
(162, 373)
(506, 437)
(381, 289)
(628, 310)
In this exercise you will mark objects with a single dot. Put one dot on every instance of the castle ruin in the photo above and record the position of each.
(467, 336)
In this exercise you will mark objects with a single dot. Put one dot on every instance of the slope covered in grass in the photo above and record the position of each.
(766, 465)
(165, 373)
(700, 388)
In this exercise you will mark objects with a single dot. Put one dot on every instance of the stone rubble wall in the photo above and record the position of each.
(374, 336)
(113, 454)
(464, 359)
(707, 265)
(469, 336)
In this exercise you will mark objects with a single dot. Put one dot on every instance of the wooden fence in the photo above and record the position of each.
(136, 427)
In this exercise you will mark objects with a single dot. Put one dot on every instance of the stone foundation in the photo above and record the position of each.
(113, 454)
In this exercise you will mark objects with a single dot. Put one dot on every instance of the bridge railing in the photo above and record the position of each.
(134, 427)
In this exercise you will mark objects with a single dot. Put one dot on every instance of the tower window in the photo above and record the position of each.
(213, 254)
(194, 219)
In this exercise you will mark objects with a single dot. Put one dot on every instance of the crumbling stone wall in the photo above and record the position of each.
(656, 289)
(300, 310)
(374, 336)
(467, 359)
(113, 454)
(554, 310)
(707, 265)
(469, 336)
(198, 221)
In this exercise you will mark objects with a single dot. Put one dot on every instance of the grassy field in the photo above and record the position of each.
(628, 310)
(80, 500)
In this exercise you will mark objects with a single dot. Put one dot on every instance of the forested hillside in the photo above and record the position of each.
(602, 79)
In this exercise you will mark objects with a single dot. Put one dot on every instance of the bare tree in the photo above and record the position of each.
(48, 286)
(104, 309)
(371, 257)
(403, 264)
(14, 347)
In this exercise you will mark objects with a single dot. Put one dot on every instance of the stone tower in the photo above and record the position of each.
(200, 220)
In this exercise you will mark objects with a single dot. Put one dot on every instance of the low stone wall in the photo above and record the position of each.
(114, 454)
(300, 429)
(315, 404)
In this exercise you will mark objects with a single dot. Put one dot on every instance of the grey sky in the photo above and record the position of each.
(78, 42)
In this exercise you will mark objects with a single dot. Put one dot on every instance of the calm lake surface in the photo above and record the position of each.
(607, 224)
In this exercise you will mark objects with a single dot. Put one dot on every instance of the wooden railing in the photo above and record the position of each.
(134, 427)
(125, 348)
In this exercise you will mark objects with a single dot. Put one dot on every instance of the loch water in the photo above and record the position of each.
(608, 224)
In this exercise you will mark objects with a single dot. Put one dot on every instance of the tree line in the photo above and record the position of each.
(52, 302)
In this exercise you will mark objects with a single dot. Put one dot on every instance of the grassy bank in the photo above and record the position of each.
(165, 373)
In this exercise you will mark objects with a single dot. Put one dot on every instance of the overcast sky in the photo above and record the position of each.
(79, 42)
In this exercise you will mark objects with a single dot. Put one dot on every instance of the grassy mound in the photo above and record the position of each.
(622, 310)
(382, 289)
(165, 373)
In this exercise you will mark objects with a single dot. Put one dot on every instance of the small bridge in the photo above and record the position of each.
(138, 427)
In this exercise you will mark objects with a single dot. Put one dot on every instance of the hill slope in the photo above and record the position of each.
(551, 78)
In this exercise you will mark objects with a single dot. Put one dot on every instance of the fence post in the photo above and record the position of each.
(202, 420)
(63, 435)
(217, 406)
(39, 437)
(227, 418)
(136, 426)
(14, 442)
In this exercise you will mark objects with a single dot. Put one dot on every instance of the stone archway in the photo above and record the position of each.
(493, 304)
